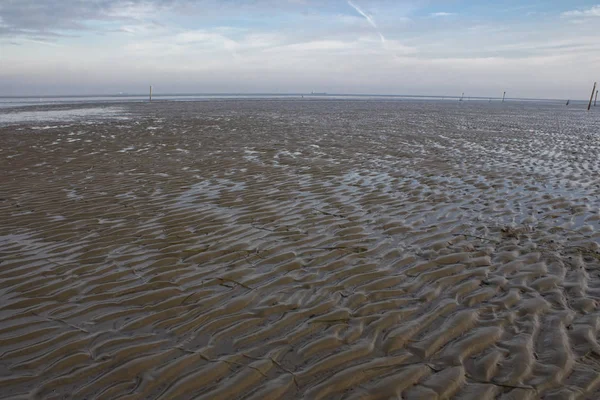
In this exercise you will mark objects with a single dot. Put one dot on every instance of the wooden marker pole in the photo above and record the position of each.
(592, 96)
(150, 92)
(503, 97)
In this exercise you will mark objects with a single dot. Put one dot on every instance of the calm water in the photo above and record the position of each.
(10, 102)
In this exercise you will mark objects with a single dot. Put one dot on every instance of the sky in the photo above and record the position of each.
(529, 48)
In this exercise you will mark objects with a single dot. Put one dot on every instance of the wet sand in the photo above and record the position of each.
(302, 249)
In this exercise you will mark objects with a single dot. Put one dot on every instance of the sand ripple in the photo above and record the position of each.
(316, 250)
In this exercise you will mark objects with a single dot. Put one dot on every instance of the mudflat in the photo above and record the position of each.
(300, 249)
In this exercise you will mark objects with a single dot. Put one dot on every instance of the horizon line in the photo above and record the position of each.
(323, 94)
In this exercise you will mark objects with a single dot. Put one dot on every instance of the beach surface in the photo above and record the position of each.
(282, 249)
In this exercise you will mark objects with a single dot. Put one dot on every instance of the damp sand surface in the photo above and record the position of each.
(301, 249)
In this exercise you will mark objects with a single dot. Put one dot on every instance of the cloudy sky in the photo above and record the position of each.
(530, 48)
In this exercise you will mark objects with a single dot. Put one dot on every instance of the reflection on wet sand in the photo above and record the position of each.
(317, 250)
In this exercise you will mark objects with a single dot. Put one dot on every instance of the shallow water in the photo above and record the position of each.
(69, 114)
(287, 249)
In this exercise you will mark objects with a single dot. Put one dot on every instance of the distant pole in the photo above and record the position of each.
(503, 97)
(150, 92)
(462, 97)
(596, 99)
(592, 96)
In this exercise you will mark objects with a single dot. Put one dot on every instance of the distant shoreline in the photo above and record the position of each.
(280, 95)
(10, 102)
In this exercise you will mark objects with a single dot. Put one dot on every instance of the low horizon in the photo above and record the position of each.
(155, 94)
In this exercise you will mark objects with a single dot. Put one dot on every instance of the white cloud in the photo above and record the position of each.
(260, 40)
(134, 10)
(442, 14)
(128, 29)
(590, 12)
(143, 28)
(317, 45)
(204, 37)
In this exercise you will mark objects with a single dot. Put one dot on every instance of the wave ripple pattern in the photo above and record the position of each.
(302, 249)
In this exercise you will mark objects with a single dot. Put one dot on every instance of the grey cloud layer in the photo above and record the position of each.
(49, 18)
(45, 17)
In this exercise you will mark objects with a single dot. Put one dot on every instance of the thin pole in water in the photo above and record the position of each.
(592, 96)
(503, 97)
(150, 92)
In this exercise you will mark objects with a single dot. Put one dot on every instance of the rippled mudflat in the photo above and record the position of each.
(291, 249)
